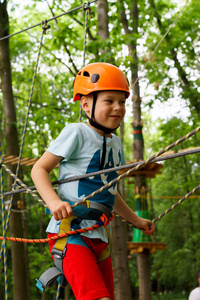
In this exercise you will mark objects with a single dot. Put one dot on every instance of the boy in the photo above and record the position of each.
(84, 148)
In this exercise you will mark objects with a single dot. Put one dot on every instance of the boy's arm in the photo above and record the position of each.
(128, 214)
(40, 175)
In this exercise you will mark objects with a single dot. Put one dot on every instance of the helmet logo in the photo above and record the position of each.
(95, 78)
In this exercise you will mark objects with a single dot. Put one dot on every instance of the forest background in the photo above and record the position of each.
(170, 108)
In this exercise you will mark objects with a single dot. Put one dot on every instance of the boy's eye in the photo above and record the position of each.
(109, 101)
(123, 102)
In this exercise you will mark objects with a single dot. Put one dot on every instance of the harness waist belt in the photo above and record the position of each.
(86, 210)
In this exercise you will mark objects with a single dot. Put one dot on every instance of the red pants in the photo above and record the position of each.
(89, 280)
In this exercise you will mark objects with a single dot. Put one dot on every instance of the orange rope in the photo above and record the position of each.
(104, 222)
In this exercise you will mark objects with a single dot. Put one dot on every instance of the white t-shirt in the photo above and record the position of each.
(81, 148)
(195, 294)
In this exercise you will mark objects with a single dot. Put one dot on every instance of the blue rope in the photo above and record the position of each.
(58, 291)
(87, 8)
(44, 27)
(4, 248)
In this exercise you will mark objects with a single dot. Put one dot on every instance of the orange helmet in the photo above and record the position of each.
(99, 77)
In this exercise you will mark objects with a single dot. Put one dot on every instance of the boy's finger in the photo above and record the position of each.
(149, 224)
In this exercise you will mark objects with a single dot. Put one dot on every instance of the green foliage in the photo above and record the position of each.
(170, 296)
(179, 229)
(175, 63)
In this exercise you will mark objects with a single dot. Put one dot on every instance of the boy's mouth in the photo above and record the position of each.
(115, 117)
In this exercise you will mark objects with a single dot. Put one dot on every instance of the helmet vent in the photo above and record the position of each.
(86, 74)
(95, 78)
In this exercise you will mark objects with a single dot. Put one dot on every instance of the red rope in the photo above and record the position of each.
(104, 222)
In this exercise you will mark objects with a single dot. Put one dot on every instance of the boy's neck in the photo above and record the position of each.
(101, 132)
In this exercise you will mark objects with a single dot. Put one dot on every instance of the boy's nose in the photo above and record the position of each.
(117, 106)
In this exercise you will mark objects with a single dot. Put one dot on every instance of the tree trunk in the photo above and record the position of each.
(120, 260)
(103, 21)
(102, 6)
(144, 275)
(138, 145)
(11, 137)
(138, 150)
(119, 249)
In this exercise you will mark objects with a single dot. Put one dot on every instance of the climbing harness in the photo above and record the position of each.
(88, 211)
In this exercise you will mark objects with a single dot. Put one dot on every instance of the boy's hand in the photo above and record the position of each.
(60, 209)
(143, 224)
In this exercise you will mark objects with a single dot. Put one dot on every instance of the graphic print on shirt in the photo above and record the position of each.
(89, 185)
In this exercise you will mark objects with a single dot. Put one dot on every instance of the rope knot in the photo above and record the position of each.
(15, 187)
(86, 6)
(106, 221)
(45, 26)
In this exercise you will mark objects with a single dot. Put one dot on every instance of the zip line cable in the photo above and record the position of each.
(79, 177)
(53, 18)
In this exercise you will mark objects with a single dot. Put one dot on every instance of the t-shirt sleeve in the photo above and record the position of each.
(68, 143)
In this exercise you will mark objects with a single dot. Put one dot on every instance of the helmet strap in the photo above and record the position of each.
(92, 122)
(103, 157)
(106, 130)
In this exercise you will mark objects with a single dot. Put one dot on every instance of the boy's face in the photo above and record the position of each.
(109, 109)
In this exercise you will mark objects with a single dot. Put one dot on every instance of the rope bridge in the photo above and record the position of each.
(137, 167)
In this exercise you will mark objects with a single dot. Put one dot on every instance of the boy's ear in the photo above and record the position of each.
(85, 103)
